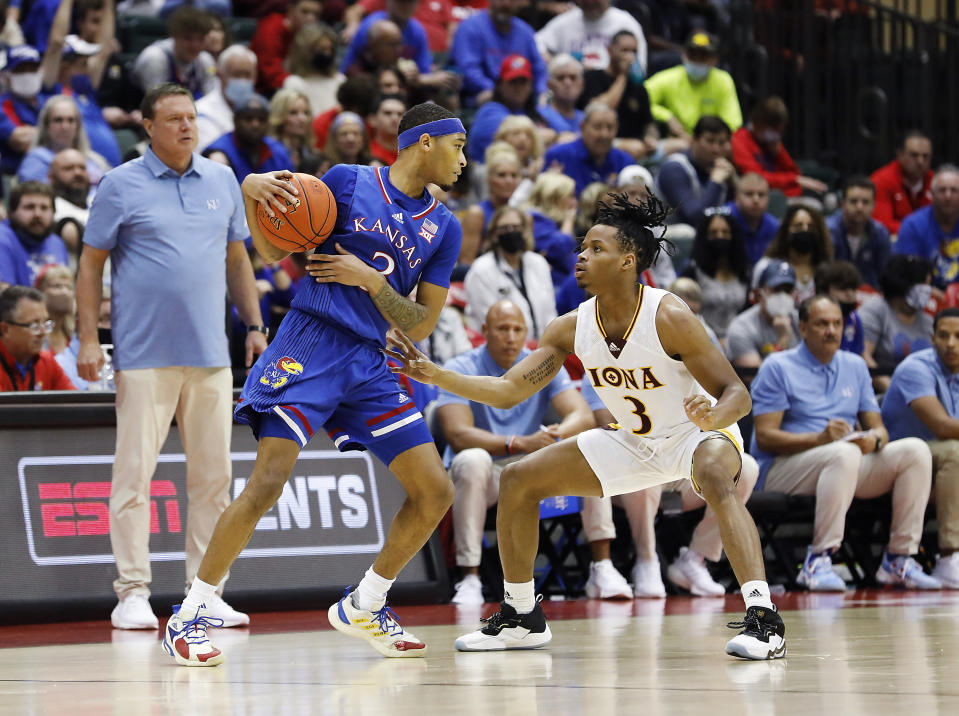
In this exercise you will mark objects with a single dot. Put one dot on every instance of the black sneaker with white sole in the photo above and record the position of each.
(508, 630)
(763, 635)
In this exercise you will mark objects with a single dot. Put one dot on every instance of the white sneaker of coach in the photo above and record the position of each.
(133, 612)
(468, 591)
(648, 579)
(605, 582)
(947, 570)
(689, 572)
(219, 609)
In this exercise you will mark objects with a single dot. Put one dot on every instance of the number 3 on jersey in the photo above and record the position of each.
(639, 410)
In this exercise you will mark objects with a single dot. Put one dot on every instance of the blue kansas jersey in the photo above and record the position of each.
(407, 240)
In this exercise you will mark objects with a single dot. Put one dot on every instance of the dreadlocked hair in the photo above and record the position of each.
(634, 223)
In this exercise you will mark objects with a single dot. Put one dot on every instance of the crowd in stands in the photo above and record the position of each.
(564, 103)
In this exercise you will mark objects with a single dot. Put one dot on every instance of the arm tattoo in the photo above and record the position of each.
(543, 372)
(400, 311)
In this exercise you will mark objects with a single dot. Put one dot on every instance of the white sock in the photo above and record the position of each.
(371, 592)
(520, 596)
(756, 594)
(200, 593)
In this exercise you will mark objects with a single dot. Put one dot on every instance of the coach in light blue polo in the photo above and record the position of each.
(173, 225)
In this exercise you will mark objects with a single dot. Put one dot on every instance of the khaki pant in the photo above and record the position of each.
(641, 507)
(475, 474)
(838, 472)
(945, 471)
(202, 401)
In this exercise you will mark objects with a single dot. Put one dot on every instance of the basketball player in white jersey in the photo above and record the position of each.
(649, 359)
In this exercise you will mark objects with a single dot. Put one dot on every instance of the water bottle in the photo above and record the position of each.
(106, 372)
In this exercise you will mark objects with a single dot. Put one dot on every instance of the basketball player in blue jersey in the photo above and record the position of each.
(326, 369)
(676, 400)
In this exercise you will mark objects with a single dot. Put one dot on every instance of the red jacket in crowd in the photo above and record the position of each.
(779, 170)
(271, 43)
(43, 373)
(894, 200)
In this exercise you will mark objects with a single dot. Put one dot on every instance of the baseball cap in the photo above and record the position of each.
(253, 103)
(515, 66)
(75, 45)
(634, 174)
(701, 41)
(21, 54)
(778, 273)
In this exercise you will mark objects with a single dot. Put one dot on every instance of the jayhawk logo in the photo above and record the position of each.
(278, 374)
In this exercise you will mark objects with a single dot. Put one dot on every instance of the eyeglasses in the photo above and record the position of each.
(36, 328)
(718, 211)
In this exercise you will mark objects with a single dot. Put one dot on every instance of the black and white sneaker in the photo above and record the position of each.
(508, 630)
(763, 635)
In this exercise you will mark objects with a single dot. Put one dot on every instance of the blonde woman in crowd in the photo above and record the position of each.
(553, 207)
(291, 122)
(311, 62)
(60, 126)
(503, 172)
(518, 131)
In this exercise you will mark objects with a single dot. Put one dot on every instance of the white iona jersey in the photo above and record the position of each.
(641, 385)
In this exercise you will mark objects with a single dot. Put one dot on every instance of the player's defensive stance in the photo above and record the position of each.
(326, 369)
(649, 359)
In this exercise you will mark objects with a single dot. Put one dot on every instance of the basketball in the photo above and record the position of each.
(307, 221)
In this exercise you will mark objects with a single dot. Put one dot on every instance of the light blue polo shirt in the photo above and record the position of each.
(167, 236)
(917, 376)
(522, 419)
(810, 393)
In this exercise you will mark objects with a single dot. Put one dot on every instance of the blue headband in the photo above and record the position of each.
(436, 128)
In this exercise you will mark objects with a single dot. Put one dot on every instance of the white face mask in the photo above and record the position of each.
(779, 304)
(25, 84)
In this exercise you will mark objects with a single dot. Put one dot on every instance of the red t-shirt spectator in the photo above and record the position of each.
(894, 200)
(271, 43)
(387, 156)
(779, 169)
(436, 17)
(43, 373)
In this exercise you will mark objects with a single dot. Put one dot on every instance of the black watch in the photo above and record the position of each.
(265, 330)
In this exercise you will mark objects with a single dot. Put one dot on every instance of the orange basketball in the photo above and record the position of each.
(307, 221)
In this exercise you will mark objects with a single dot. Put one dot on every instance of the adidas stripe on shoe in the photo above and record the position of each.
(508, 630)
(381, 628)
(186, 641)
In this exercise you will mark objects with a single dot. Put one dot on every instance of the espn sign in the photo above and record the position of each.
(329, 506)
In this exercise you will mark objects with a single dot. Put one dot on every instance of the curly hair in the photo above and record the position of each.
(634, 224)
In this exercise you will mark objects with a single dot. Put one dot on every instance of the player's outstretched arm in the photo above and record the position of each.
(521, 381)
(271, 191)
(682, 334)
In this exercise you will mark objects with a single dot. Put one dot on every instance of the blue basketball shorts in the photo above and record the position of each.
(316, 374)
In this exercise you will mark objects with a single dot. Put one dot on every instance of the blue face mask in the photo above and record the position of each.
(238, 91)
(696, 70)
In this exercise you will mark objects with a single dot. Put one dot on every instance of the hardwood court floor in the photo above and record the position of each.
(859, 653)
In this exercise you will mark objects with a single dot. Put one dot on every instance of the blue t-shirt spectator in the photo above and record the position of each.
(167, 310)
(919, 375)
(524, 418)
(578, 164)
(21, 258)
(809, 394)
(36, 167)
(485, 123)
(102, 139)
(14, 113)
(271, 156)
(853, 335)
(920, 235)
(558, 248)
(478, 51)
(870, 256)
(569, 295)
(756, 241)
(558, 122)
(416, 46)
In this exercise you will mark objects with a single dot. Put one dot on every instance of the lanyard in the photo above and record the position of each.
(14, 377)
(520, 282)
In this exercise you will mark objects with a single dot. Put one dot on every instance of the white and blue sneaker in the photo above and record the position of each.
(186, 641)
(817, 574)
(904, 571)
(381, 628)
